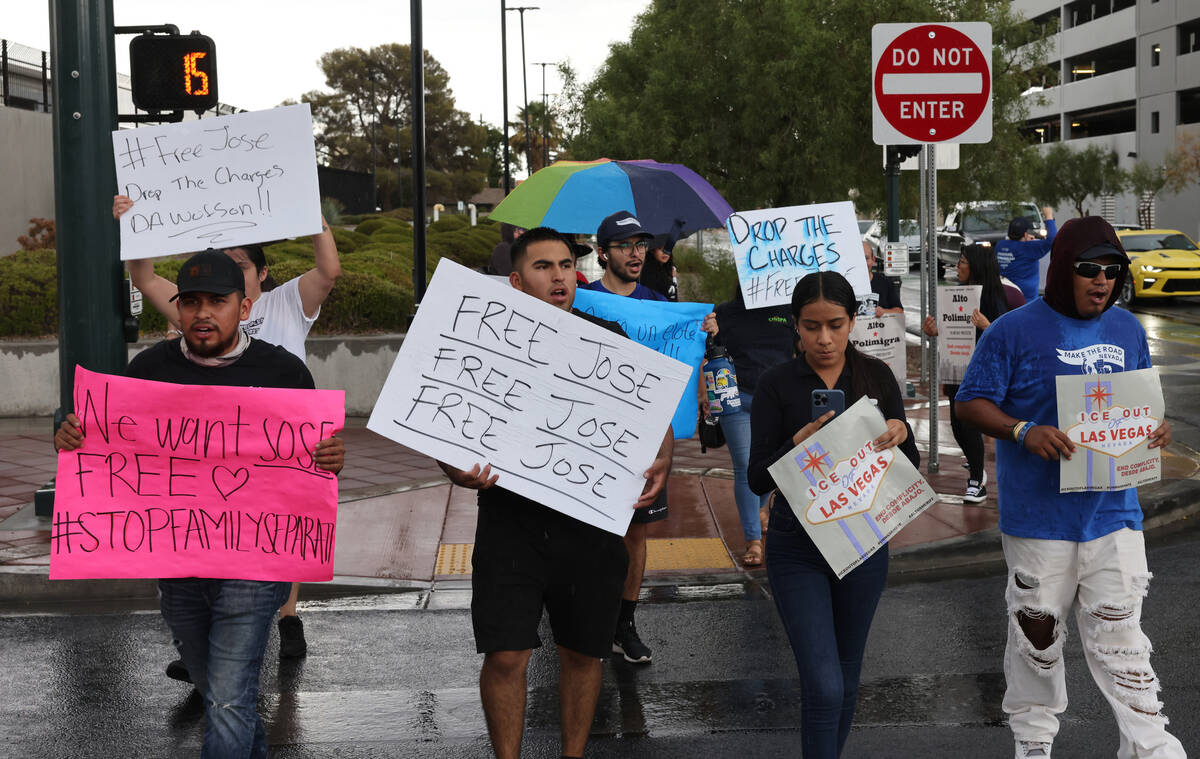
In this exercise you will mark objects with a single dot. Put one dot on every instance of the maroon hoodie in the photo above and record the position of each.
(1073, 238)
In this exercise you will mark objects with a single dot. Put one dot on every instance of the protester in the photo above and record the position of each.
(827, 619)
(885, 291)
(220, 627)
(1081, 551)
(976, 266)
(282, 315)
(658, 272)
(528, 556)
(1019, 254)
(501, 261)
(756, 340)
(622, 244)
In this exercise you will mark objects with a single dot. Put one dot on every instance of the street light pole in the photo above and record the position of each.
(545, 118)
(374, 117)
(525, 85)
(507, 182)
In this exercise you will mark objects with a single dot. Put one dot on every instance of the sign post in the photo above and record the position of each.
(931, 84)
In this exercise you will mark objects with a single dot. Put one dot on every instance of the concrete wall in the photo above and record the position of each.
(26, 173)
(358, 365)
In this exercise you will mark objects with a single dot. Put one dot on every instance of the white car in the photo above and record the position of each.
(910, 235)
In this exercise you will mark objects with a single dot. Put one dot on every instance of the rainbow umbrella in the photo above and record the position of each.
(575, 196)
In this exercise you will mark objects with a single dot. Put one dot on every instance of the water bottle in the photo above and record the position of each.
(720, 381)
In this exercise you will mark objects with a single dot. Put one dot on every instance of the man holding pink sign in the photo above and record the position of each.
(217, 494)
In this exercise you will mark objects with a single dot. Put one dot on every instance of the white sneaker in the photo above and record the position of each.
(1033, 750)
(976, 492)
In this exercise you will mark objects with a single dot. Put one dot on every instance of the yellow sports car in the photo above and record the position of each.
(1163, 263)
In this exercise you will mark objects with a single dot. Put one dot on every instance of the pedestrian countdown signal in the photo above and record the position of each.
(173, 72)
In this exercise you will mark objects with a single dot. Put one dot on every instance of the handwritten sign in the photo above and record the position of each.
(672, 329)
(1109, 417)
(188, 481)
(956, 333)
(568, 413)
(777, 247)
(851, 498)
(218, 183)
(883, 338)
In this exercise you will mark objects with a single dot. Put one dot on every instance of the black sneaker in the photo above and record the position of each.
(976, 492)
(627, 643)
(291, 638)
(177, 670)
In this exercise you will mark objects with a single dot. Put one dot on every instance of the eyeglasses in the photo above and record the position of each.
(1090, 269)
(641, 246)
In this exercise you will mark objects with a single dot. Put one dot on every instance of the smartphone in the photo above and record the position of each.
(824, 401)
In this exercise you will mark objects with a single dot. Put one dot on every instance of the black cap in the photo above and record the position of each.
(1018, 227)
(619, 226)
(209, 272)
(1100, 251)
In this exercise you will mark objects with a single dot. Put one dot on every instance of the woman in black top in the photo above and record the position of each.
(658, 270)
(976, 266)
(827, 619)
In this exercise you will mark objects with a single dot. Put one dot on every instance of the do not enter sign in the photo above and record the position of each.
(931, 83)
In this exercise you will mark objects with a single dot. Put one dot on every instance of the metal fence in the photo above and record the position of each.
(24, 77)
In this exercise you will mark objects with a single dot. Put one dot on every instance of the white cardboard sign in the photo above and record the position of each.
(850, 498)
(1109, 417)
(775, 248)
(883, 338)
(218, 183)
(568, 413)
(956, 333)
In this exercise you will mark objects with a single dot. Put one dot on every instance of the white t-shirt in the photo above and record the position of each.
(278, 317)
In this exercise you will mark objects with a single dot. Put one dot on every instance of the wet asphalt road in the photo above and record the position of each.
(385, 680)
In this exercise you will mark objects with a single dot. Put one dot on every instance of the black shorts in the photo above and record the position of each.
(655, 512)
(527, 557)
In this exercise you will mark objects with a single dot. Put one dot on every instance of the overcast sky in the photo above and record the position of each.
(267, 50)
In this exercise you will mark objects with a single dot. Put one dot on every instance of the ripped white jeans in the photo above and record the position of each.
(1103, 581)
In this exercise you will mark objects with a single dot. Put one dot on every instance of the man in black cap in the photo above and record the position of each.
(1080, 552)
(1018, 256)
(221, 627)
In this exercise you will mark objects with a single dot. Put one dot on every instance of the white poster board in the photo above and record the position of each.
(956, 333)
(568, 413)
(883, 338)
(1109, 417)
(850, 498)
(775, 248)
(218, 183)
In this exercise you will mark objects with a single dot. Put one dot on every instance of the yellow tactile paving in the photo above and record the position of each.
(454, 559)
(666, 554)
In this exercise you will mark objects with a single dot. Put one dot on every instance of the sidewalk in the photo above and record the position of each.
(401, 525)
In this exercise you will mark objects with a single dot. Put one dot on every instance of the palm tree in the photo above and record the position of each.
(544, 135)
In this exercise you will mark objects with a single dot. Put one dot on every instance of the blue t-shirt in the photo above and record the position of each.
(1014, 366)
(640, 291)
(1019, 260)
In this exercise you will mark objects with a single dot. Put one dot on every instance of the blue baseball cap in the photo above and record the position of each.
(620, 226)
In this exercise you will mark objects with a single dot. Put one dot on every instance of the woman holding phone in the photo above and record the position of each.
(827, 619)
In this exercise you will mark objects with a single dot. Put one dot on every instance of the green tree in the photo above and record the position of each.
(1146, 181)
(1076, 175)
(370, 92)
(770, 99)
(543, 138)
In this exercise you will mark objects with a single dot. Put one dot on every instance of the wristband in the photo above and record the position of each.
(1016, 430)
(1024, 431)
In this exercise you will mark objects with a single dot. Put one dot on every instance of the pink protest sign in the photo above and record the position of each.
(189, 481)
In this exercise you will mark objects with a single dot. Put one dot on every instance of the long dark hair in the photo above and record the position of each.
(833, 287)
(655, 275)
(259, 259)
(985, 271)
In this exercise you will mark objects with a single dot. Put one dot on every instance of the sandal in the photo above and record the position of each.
(753, 557)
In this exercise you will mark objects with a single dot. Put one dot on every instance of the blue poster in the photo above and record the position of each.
(672, 329)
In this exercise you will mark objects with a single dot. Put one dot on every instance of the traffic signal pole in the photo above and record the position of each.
(91, 286)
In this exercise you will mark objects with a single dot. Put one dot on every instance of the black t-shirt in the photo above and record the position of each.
(783, 404)
(756, 339)
(498, 496)
(262, 365)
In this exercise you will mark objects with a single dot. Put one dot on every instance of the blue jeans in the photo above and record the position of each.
(221, 629)
(736, 428)
(827, 621)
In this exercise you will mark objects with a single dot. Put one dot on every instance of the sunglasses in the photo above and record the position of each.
(640, 246)
(1090, 269)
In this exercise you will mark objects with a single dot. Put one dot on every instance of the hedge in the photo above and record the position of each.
(29, 294)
